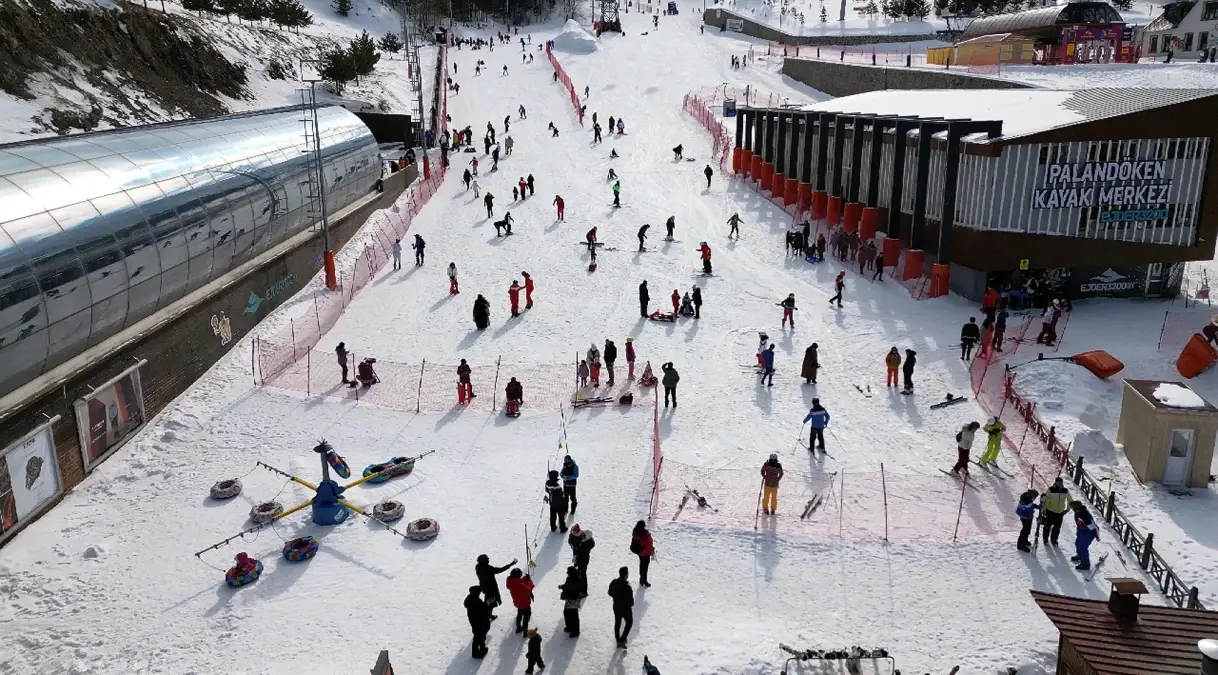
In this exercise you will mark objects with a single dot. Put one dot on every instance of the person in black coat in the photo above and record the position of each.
(644, 297)
(572, 596)
(623, 605)
(907, 369)
(697, 302)
(487, 582)
(643, 236)
(529, 182)
(970, 334)
(482, 313)
(479, 616)
(581, 543)
(610, 355)
(533, 653)
(556, 497)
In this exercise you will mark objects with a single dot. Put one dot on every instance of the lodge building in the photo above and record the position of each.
(1099, 191)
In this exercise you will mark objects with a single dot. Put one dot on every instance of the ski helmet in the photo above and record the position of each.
(773, 456)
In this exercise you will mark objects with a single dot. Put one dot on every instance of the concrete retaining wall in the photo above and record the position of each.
(846, 79)
(717, 19)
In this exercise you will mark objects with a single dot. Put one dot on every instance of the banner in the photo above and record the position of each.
(29, 478)
(110, 415)
(736, 25)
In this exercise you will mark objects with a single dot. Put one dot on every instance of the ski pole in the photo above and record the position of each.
(757, 514)
(800, 435)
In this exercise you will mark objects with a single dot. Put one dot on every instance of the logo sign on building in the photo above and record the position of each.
(736, 25)
(109, 416)
(29, 478)
(1111, 282)
(1127, 191)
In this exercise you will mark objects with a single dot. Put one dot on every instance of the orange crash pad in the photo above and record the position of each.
(1196, 356)
(1101, 364)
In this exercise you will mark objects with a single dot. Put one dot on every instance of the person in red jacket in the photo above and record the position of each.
(989, 305)
(676, 300)
(465, 388)
(642, 546)
(706, 257)
(590, 238)
(520, 586)
(528, 290)
(559, 204)
(514, 296)
(630, 357)
(523, 187)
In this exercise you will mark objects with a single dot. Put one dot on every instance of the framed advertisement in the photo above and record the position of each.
(109, 415)
(29, 478)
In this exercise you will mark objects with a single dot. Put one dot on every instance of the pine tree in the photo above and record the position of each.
(290, 13)
(337, 68)
(198, 5)
(894, 9)
(917, 9)
(229, 7)
(871, 9)
(343, 7)
(390, 43)
(363, 54)
(254, 10)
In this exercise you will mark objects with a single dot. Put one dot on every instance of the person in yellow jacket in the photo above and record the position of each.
(1053, 507)
(994, 430)
(893, 360)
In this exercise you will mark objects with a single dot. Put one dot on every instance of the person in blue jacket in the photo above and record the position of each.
(1087, 533)
(570, 476)
(767, 361)
(1026, 510)
(819, 417)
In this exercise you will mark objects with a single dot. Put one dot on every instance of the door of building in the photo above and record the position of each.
(1179, 457)
(1154, 279)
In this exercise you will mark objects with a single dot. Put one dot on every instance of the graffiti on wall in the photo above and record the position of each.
(222, 327)
(255, 301)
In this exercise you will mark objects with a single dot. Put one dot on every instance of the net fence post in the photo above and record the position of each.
(884, 487)
(960, 509)
(495, 387)
(841, 505)
(292, 326)
(418, 397)
(254, 360)
(309, 373)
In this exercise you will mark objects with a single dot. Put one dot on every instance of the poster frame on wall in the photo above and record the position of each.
(82, 409)
(53, 468)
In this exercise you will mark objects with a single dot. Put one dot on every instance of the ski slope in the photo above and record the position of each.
(106, 582)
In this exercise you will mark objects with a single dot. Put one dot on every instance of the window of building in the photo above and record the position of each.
(1188, 42)
(1209, 11)
(1154, 44)
(1203, 40)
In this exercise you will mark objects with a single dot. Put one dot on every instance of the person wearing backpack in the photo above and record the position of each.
(642, 545)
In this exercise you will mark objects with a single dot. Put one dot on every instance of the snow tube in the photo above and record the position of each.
(226, 489)
(663, 316)
(398, 466)
(1101, 364)
(237, 580)
(300, 548)
(265, 512)
(388, 511)
(422, 529)
(338, 464)
(1196, 356)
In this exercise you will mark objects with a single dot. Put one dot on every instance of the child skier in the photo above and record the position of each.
(788, 310)
(582, 373)
(1087, 533)
(528, 290)
(1026, 510)
(514, 297)
(771, 475)
(964, 444)
(452, 279)
(893, 361)
(734, 221)
(819, 417)
(994, 430)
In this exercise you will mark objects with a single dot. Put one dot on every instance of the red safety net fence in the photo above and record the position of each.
(1179, 326)
(566, 82)
(657, 454)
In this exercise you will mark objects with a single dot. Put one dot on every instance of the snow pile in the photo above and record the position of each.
(1177, 396)
(573, 39)
(1095, 447)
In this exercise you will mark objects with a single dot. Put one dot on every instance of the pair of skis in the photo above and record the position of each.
(816, 500)
(865, 392)
(994, 469)
(702, 503)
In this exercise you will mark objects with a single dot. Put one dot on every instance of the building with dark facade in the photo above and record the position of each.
(1099, 192)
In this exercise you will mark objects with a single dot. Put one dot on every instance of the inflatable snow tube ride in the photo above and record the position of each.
(265, 512)
(338, 464)
(300, 548)
(388, 511)
(422, 529)
(398, 466)
(237, 580)
(226, 489)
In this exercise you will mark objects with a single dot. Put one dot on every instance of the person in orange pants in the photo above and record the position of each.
(893, 360)
(452, 279)
(514, 296)
(528, 290)
(771, 474)
(676, 300)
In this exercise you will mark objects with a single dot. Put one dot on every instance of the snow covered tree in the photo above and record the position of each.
(198, 5)
(363, 54)
(343, 7)
(254, 10)
(337, 68)
(1032, 4)
(917, 9)
(229, 7)
(871, 9)
(290, 13)
(894, 9)
(390, 43)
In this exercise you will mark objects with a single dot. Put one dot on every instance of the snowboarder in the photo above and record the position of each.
(581, 542)
(767, 364)
(452, 279)
(705, 251)
(630, 358)
(465, 388)
(529, 181)
(819, 417)
(419, 245)
(810, 364)
(514, 297)
(1026, 510)
(520, 587)
(1000, 328)
(964, 444)
(533, 651)
(839, 284)
(993, 430)
(642, 545)
(557, 499)
(970, 333)
(644, 298)
(617, 194)
(487, 582)
(482, 313)
(489, 201)
(697, 300)
(570, 477)
(643, 236)
(670, 225)
(1087, 532)
(676, 152)
(708, 172)
(893, 361)
(734, 221)
(581, 372)
(676, 301)
(341, 353)
(907, 369)
(479, 615)
(623, 606)
(572, 597)
(528, 289)
(610, 357)
(397, 254)
(788, 310)
(1053, 507)
(671, 378)
(559, 204)
(771, 475)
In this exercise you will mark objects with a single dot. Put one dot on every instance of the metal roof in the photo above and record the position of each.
(1074, 13)
(1173, 14)
(1163, 641)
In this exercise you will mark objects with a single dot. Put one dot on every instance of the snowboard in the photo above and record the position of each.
(950, 400)
(865, 392)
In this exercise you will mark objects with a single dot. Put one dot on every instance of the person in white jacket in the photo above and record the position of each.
(964, 443)
(475, 186)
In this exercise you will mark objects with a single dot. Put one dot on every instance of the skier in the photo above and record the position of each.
(558, 204)
(508, 144)
(507, 120)
(533, 651)
(528, 289)
(643, 236)
(596, 133)
(505, 225)
(473, 163)
(706, 258)
(839, 284)
(585, 91)
(610, 357)
(810, 365)
(644, 297)
(557, 499)
(520, 587)
(514, 297)
(482, 313)
(489, 201)
(520, 110)
(676, 153)
(708, 172)
(1087, 532)
(529, 181)
(1053, 507)
(612, 175)
(734, 221)
(581, 371)
(819, 417)
(676, 301)
(767, 361)
(617, 194)
(621, 126)
(487, 582)
(572, 597)
(515, 193)
(670, 225)
(964, 443)
(514, 393)
(892, 360)
(570, 477)
(788, 310)
(623, 606)
(452, 279)
(761, 346)
(994, 430)
(642, 545)
(697, 300)
(630, 358)
(418, 246)
(1048, 325)
(590, 238)
(1026, 510)
(671, 378)
(610, 121)
(581, 542)
(1000, 327)
(479, 615)
(771, 475)
(970, 333)
(465, 388)
(907, 369)
(397, 254)
(341, 353)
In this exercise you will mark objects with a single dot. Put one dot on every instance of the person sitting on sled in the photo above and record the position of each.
(515, 396)
(648, 379)
(687, 305)
(613, 153)
(365, 373)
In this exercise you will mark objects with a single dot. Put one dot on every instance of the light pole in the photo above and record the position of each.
(310, 72)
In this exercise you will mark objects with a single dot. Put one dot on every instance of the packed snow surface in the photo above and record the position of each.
(1177, 396)
(574, 39)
